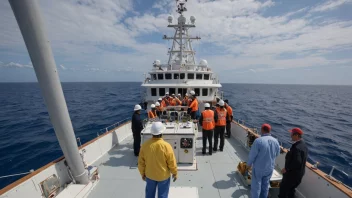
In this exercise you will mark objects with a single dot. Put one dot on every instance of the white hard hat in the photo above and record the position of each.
(152, 106)
(137, 107)
(206, 105)
(167, 93)
(193, 93)
(173, 94)
(160, 99)
(186, 94)
(178, 94)
(157, 128)
(157, 104)
(221, 103)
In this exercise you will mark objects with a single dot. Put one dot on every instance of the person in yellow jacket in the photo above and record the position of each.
(156, 163)
(152, 112)
(207, 120)
(220, 126)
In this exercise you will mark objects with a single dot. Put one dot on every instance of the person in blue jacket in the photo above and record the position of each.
(137, 127)
(262, 160)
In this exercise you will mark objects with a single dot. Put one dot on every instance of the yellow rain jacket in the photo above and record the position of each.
(157, 160)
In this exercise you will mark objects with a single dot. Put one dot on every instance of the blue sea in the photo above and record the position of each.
(28, 141)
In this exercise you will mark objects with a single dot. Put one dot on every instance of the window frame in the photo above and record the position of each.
(161, 74)
(151, 92)
(168, 74)
(188, 76)
(207, 91)
(201, 76)
(197, 91)
(184, 76)
(206, 75)
(162, 91)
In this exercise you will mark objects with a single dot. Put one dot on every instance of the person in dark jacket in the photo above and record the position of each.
(137, 127)
(295, 164)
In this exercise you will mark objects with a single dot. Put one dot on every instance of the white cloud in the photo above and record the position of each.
(109, 34)
(330, 5)
(15, 65)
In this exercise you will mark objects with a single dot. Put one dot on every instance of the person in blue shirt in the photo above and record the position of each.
(262, 160)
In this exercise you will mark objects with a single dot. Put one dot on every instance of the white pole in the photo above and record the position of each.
(31, 24)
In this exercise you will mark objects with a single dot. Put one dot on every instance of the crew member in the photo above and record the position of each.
(220, 126)
(194, 105)
(295, 164)
(137, 127)
(162, 103)
(158, 109)
(174, 101)
(230, 118)
(207, 120)
(156, 162)
(152, 113)
(262, 160)
(185, 101)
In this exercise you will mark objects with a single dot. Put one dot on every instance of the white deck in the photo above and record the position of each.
(215, 177)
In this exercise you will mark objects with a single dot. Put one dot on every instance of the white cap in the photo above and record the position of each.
(167, 93)
(157, 128)
(221, 103)
(206, 105)
(137, 107)
(173, 94)
(186, 94)
(152, 106)
(160, 99)
(157, 104)
(179, 94)
(193, 93)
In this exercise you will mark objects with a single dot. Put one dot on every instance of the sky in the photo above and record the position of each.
(244, 41)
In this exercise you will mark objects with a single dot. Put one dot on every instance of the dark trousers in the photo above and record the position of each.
(193, 115)
(136, 142)
(228, 128)
(219, 131)
(289, 183)
(207, 135)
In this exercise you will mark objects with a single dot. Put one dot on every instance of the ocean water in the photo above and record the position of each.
(28, 141)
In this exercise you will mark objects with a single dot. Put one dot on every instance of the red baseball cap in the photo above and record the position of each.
(267, 126)
(296, 130)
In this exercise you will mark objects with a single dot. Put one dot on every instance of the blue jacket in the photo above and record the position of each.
(137, 125)
(263, 153)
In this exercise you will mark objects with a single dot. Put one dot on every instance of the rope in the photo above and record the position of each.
(17, 174)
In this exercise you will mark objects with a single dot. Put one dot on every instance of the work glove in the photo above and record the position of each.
(174, 177)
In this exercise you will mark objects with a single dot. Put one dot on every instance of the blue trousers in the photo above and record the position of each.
(260, 183)
(163, 188)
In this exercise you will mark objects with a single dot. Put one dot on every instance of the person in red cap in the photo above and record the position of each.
(295, 163)
(262, 160)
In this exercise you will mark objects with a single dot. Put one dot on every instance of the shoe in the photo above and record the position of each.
(221, 150)
(214, 149)
(210, 153)
(203, 153)
(136, 155)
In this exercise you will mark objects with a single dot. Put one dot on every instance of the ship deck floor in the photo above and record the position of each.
(215, 177)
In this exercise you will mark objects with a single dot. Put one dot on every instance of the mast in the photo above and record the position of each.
(181, 51)
(30, 22)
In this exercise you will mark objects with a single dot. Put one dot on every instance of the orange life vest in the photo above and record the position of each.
(208, 122)
(194, 105)
(229, 111)
(151, 114)
(163, 104)
(221, 117)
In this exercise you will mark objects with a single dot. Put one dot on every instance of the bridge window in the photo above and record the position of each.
(206, 76)
(161, 91)
(160, 76)
(190, 76)
(197, 91)
(182, 75)
(205, 92)
(168, 76)
(153, 76)
(176, 76)
(199, 76)
(153, 90)
(172, 91)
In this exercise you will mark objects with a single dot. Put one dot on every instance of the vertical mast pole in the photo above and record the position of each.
(181, 43)
(30, 22)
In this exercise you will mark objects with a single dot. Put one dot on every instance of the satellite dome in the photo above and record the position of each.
(181, 20)
(203, 62)
(193, 19)
(157, 62)
(170, 18)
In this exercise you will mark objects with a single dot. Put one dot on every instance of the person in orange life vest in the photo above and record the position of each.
(194, 105)
(228, 122)
(158, 109)
(166, 99)
(174, 101)
(207, 120)
(162, 103)
(220, 126)
(152, 112)
(185, 101)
